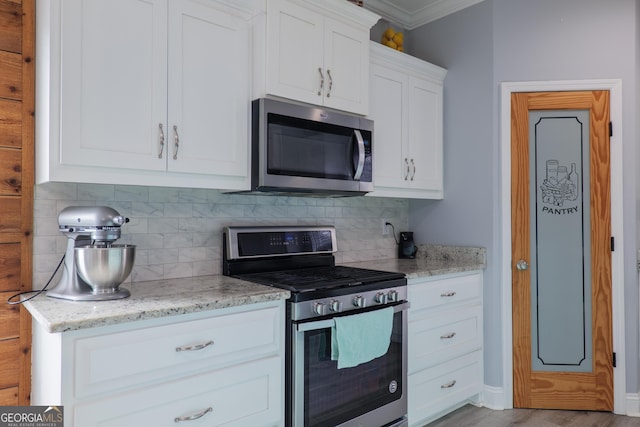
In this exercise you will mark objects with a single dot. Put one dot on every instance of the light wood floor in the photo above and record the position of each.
(471, 416)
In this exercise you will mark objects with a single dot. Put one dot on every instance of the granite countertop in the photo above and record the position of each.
(432, 260)
(161, 298)
(149, 300)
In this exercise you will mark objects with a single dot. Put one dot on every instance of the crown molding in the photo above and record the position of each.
(427, 11)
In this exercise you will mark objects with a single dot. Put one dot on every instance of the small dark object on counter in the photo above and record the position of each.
(406, 247)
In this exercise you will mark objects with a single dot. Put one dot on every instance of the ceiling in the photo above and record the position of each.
(414, 13)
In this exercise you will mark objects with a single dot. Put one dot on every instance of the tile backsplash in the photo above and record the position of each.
(178, 231)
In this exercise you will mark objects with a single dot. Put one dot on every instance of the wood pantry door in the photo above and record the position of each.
(561, 250)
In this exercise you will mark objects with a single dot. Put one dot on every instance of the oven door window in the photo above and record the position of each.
(304, 148)
(333, 396)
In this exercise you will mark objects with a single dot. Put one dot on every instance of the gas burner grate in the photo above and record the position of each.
(311, 279)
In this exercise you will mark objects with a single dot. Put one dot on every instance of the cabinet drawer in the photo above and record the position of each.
(436, 339)
(248, 394)
(119, 360)
(443, 292)
(434, 390)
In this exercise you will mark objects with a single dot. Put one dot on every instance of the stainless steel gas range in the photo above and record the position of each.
(346, 338)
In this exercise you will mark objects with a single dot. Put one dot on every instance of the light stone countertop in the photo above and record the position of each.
(169, 297)
(150, 300)
(432, 260)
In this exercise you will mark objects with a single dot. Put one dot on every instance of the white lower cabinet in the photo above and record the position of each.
(445, 360)
(238, 396)
(223, 367)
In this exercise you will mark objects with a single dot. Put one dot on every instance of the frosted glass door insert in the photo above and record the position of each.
(560, 265)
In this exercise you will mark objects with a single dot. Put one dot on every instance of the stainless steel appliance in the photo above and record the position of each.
(304, 149)
(318, 393)
(93, 266)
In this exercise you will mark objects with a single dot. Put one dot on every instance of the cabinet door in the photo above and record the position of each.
(388, 111)
(112, 83)
(425, 135)
(346, 67)
(434, 392)
(248, 394)
(208, 90)
(295, 66)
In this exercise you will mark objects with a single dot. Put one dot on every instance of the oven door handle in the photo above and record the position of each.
(328, 323)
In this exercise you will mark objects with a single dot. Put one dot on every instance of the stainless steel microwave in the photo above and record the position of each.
(305, 149)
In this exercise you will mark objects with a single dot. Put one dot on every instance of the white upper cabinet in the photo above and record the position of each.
(406, 107)
(152, 92)
(315, 52)
(209, 102)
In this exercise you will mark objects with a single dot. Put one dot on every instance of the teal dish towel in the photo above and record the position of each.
(362, 337)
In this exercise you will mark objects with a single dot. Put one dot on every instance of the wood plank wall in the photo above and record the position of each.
(17, 105)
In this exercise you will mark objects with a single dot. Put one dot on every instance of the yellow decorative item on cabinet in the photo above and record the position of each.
(393, 39)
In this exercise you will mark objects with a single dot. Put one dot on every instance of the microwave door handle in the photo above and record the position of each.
(360, 166)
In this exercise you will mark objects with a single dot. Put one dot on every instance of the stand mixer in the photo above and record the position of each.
(93, 266)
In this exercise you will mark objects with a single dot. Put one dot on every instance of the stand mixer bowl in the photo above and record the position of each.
(104, 268)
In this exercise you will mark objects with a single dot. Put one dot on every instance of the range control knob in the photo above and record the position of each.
(320, 308)
(380, 298)
(392, 296)
(359, 301)
(335, 306)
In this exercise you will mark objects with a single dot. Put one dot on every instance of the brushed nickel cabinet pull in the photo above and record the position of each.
(449, 384)
(448, 336)
(321, 81)
(194, 416)
(448, 294)
(330, 83)
(413, 173)
(194, 347)
(176, 142)
(406, 163)
(161, 141)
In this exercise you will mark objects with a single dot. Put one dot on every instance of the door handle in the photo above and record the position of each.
(360, 164)
(522, 265)
(161, 140)
(321, 82)
(176, 142)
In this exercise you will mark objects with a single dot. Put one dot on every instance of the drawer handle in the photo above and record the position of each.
(448, 294)
(194, 347)
(449, 384)
(448, 336)
(194, 416)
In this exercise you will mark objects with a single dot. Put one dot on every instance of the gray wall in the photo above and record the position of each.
(519, 40)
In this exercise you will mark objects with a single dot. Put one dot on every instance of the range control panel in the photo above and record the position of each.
(343, 303)
(255, 242)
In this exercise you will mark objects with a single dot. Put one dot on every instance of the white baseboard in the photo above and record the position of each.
(632, 403)
(494, 398)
